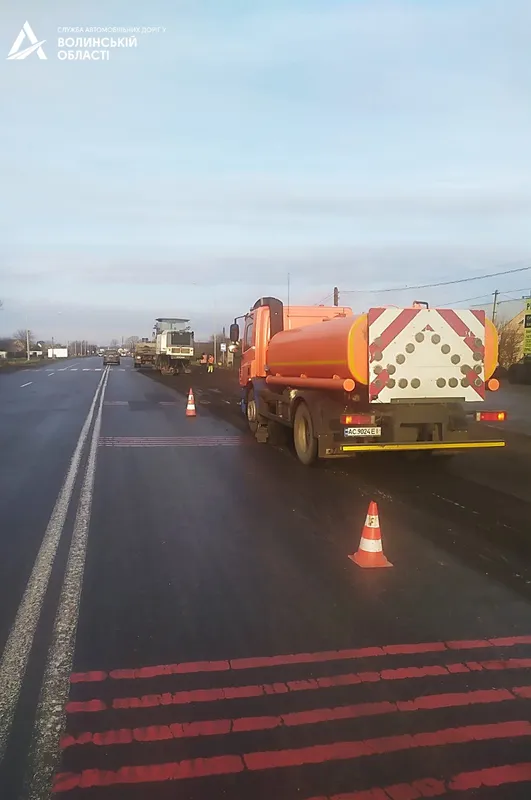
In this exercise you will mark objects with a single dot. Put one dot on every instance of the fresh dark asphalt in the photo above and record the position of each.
(214, 549)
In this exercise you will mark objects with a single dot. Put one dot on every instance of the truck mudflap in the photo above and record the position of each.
(336, 450)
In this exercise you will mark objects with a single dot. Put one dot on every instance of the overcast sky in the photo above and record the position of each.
(359, 144)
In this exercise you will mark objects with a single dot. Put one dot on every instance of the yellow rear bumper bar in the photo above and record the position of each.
(421, 446)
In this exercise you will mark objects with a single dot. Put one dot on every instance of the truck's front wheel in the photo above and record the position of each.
(251, 412)
(303, 436)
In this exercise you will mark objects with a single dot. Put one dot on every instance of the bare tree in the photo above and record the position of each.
(510, 343)
(131, 341)
(114, 343)
(21, 335)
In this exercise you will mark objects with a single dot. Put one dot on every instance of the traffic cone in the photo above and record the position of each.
(190, 408)
(370, 552)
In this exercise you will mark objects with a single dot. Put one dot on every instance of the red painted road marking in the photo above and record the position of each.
(171, 441)
(126, 403)
(327, 682)
(317, 754)
(216, 727)
(297, 658)
(194, 768)
(88, 677)
(434, 787)
(273, 759)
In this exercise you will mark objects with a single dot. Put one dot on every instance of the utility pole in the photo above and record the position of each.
(495, 305)
(336, 296)
(53, 349)
(27, 343)
(215, 348)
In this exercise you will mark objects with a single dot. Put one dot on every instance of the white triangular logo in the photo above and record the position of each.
(17, 53)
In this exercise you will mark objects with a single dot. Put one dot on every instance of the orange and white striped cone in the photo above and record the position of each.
(370, 552)
(190, 407)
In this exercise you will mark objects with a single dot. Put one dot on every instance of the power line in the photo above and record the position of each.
(488, 295)
(466, 300)
(433, 285)
(522, 289)
(508, 291)
(481, 296)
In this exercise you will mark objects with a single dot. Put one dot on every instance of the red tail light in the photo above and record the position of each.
(357, 419)
(491, 416)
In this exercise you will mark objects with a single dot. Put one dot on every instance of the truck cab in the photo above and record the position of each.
(268, 317)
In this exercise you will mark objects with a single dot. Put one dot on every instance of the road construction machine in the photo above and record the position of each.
(174, 345)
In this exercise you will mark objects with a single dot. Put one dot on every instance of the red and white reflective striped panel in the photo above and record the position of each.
(419, 353)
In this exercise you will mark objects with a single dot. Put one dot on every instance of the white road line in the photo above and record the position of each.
(50, 374)
(73, 369)
(19, 642)
(25, 384)
(97, 369)
(86, 369)
(50, 716)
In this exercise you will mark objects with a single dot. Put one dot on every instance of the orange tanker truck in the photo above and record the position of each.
(389, 379)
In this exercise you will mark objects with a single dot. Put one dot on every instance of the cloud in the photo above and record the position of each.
(369, 267)
(358, 144)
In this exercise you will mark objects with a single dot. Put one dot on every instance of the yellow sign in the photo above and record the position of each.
(527, 329)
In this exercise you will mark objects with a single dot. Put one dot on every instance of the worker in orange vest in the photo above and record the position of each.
(210, 364)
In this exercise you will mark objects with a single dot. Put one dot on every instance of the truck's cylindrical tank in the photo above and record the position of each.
(338, 347)
(323, 350)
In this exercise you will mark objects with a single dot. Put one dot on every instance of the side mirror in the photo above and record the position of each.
(234, 334)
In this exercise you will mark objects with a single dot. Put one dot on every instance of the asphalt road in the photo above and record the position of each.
(193, 627)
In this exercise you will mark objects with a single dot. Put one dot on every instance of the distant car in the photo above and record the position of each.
(111, 358)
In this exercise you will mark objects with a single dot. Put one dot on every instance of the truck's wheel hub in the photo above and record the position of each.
(251, 410)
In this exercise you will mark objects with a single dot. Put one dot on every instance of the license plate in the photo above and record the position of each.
(363, 431)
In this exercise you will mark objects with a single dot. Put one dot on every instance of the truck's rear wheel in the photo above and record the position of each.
(303, 436)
